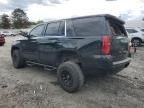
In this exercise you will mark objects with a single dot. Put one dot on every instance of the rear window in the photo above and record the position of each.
(92, 26)
(117, 28)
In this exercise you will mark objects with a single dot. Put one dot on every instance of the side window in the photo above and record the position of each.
(70, 28)
(37, 31)
(62, 28)
(55, 29)
(131, 31)
(89, 26)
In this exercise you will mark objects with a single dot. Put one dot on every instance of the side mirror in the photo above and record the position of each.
(25, 34)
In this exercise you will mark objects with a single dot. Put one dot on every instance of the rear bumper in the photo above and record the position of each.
(103, 64)
(117, 63)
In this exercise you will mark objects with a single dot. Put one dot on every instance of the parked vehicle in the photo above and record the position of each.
(75, 48)
(7, 33)
(2, 40)
(136, 36)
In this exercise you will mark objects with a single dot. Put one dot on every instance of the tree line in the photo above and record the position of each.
(17, 20)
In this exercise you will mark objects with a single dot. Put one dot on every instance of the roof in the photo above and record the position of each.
(99, 15)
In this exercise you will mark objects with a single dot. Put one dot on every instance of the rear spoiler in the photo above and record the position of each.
(115, 18)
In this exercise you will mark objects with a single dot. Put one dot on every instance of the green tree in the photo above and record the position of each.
(5, 21)
(19, 19)
(40, 21)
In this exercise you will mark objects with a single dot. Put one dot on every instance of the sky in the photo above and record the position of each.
(58, 9)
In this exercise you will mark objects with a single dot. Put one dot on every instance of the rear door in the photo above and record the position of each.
(120, 41)
(50, 44)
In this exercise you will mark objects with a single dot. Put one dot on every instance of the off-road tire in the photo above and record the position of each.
(75, 73)
(18, 60)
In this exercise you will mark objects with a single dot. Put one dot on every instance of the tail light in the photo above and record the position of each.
(106, 45)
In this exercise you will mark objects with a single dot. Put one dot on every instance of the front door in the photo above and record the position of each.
(30, 46)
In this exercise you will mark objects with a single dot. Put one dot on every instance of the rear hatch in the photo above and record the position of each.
(119, 38)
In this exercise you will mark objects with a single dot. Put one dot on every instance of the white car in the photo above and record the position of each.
(136, 35)
(7, 33)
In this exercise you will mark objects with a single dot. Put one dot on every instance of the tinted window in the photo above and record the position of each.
(37, 31)
(62, 28)
(92, 26)
(70, 28)
(117, 28)
(132, 31)
(55, 29)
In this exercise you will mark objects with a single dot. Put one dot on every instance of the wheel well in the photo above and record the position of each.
(136, 38)
(14, 48)
(69, 55)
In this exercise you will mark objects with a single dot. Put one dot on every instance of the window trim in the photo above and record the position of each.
(65, 28)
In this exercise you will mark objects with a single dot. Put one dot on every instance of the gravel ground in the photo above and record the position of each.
(34, 87)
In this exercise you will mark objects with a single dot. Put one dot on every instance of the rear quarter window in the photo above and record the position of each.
(92, 26)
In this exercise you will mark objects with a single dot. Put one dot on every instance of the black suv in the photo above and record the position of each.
(75, 47)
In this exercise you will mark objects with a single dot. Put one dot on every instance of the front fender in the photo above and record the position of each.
(15, 45)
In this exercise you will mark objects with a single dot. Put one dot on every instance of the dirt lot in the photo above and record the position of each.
(34, 87)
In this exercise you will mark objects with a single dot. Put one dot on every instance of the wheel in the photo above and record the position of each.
(18, 60)
(136, 42)
(70, 76)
